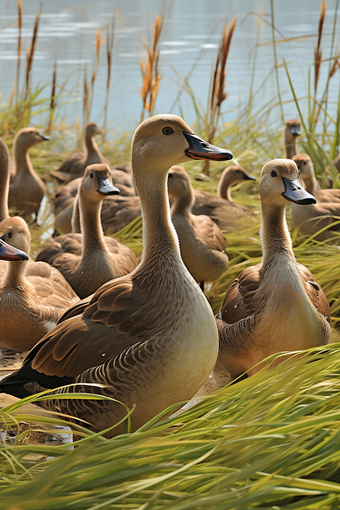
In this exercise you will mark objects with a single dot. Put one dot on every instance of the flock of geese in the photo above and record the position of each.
(143, 334)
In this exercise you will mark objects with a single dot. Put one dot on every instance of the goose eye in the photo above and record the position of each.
(9, 235)
(273, 173)
(91, 175)
(167, 130)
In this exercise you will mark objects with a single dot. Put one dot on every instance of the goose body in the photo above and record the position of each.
(221, 208)
(276, 305)
(27, 190)
(89, 259)
(202, 244)
(33, 296)
(74, 166)
(154, 326)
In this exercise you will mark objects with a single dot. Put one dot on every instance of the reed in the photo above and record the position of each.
(150, 69)
(109, 50)
(19, 46)
(86, 93)
(218, 93)
(30, 51)
(53, 96)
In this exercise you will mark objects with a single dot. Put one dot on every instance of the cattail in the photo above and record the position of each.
(30, 51)
(151, 77)
(19, 46)
(317, 50)
(109, 49)
(11, 95)
(52, 103)
(86, 98)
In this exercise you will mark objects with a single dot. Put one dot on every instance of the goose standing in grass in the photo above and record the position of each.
(276, 305)
(33, 296)
(74, 166)
(154, 327)
(291, 133)
(306, 168)
(201, 242)
(27, 190)
(221, 208)
(89, 259)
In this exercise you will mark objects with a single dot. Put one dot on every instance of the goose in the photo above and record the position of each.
(89, 259)
(276, 305)
(291, 133)
(33, 295)
(27, 190)
(221, 208)
(74, 166)
(201, 242)
(305, 165)
(65, 200)
(313, 218)
(154, 327)
(4, 180)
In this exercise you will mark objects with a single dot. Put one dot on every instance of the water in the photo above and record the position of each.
(190, 38)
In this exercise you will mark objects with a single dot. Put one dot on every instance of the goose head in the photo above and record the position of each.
(97, 183)
(179, 186)
(292, 130)
(234, 174)
(305, 165)
(162, 141)
(28, 137)
(280, 182)
(91, 130)
(14, 231)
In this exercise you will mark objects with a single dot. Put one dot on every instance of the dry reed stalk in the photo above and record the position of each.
(218, 94)
(52, 103)
(30, 51)
(150, 69)
(317, 50)
(11, 95)
(19, 46)
(85, 98)
(109, 49)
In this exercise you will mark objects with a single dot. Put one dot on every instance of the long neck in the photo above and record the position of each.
(90, 146)
(92, 233)
(275, 235)
(224, 189)
(22, 160)
(75, 220)
(290, 147)
(311, 184)
(158, 232)
(15, 275)
(4, 181)
(183, 204)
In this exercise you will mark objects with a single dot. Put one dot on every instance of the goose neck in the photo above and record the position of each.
(290, 146)
(224, 190)
(158, 232)
(4, 186)
(91, 229)
(90, 146)
(275, 235)
(22, 161)
(15, 275)
(311, 184)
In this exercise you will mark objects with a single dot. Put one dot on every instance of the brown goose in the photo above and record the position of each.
(4, 180)
(305, 165)
(27, 190)
(276, 305)
(201, 241)
(89, 259)
(291, 133)
(221, 208)
(33, 296)
(154, 326)
(74, 166)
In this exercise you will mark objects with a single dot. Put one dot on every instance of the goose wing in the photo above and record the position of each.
(315, 292)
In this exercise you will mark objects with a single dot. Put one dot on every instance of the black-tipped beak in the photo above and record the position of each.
(106, 188)
(295, 192)
(295, 131)
(8, 252)
(43, 137)
(248, 177)
(199, 149)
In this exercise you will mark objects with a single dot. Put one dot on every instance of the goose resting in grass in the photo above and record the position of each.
(33, 295)
(201, 242)
(276, 305)
(149, 337)
(26, 190)
(89, 259)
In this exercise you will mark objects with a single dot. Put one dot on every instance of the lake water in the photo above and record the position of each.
(190, 37)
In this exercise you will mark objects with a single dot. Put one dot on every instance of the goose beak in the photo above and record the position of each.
(8, 252)
(106, 188)
(295, 192)
(43, 137)
(295, 131)
(199, 149)
(248, 177)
